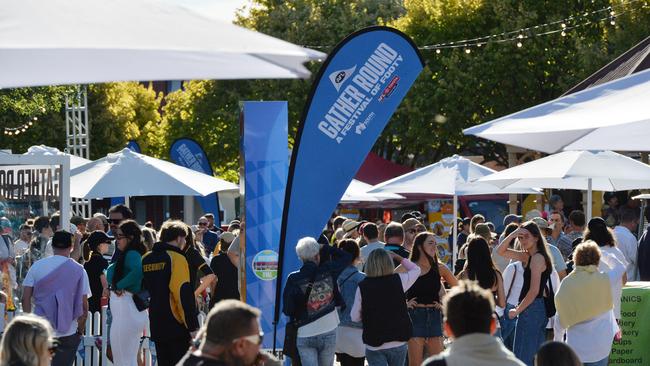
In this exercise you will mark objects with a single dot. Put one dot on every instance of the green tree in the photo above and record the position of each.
(119, 112)
(208, 111)
(43, 107)
(458, 89)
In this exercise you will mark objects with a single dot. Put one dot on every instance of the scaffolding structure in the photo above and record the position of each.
(78, 138)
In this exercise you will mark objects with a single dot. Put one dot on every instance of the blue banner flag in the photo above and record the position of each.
(188, 153)
(265, 153)
(356, 92)
(133, 146)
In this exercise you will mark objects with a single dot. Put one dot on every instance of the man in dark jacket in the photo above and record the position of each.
(172, 310)
(643, 257)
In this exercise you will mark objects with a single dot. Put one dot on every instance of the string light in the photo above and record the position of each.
(14, 131)
(562, 27)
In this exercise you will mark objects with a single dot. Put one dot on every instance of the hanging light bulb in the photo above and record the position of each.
(30, 123)
(35, 118)
(519, 44)
(467, 50)
(563, 25)
(438, 50)
(563, 34)
(520, 36)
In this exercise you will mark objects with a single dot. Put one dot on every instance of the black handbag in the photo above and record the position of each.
(141, 300)
(549, 299)
(290, 347)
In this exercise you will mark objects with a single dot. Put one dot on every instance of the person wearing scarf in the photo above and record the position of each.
(585, 306)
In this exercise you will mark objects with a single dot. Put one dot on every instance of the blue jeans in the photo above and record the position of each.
(602, 362)
(318, 349)
(508, 327)
(530, 331)
(387, 357)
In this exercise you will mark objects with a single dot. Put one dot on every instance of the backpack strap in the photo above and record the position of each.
(511, 283)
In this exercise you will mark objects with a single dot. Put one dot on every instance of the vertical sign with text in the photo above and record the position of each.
(265, 158)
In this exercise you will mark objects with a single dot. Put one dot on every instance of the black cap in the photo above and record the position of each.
(97, 237)
(597, 224)
(62, 239)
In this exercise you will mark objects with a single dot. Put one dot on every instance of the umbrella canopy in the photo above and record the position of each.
(42, 150)
(607, 170)
(127, 173)
(611, 116)
(455, 175)
(48, 42)
(584, 170)
(358, 192)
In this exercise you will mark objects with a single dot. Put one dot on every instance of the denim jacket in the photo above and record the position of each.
(348, 283)
(324, 296)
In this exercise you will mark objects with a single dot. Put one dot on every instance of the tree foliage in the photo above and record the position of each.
(455, 90)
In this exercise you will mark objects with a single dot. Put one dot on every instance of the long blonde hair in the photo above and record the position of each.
(24, 340)
(379, 264)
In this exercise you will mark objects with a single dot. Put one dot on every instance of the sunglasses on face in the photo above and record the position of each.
(115, 221)
(203, 224)
(256, 339)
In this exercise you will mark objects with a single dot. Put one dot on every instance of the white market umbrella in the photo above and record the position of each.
(454, 176)
(357, 191)
(583, 170)
(127, 173)
(50, 42)
(611, 116)
(42, 150)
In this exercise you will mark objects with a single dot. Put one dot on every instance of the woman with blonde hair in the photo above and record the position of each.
(585, 304)
(380, 305)
(27, 341)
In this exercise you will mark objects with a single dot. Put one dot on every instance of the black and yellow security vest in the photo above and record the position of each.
(172, 309)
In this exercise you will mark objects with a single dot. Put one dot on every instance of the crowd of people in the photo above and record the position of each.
(379, 294)
(366, 293)
(163, 279)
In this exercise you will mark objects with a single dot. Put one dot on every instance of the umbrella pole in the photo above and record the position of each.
(589, 199)
(454, 231)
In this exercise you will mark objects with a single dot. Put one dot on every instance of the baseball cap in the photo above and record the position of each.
(227, 237)
(541, 223)
(349, 225)
(62, 239)
(97, 237)
(510, 219)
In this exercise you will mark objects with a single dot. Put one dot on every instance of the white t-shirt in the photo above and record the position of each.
(20, 247)
(517, 282)
(592, 339)
(42, 268)
(626, 242)
(608, 263)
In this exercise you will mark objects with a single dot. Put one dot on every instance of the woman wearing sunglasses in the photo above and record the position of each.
(28, 341)
(125, 280)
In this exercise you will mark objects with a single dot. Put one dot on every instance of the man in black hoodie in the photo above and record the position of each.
(172, 310)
